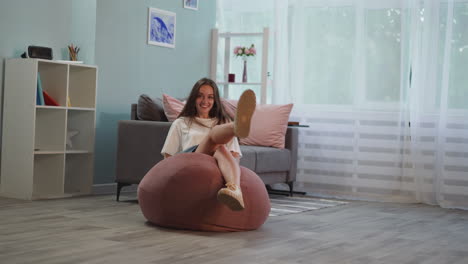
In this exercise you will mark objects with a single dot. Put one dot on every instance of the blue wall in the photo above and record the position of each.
(112, 34)
(128, 66)
(51, 23)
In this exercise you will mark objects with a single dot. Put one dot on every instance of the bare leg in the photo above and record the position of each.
(213, 144)
(229, 166)
(219, 135)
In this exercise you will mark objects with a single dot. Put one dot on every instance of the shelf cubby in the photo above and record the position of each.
(78, 173)
(54, 80)
(81, 121)
(48, 176)
(50, 129)
(82, 89)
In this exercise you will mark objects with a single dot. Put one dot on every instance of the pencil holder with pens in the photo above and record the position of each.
(73, 51)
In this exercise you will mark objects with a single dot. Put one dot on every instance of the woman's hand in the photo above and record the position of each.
(235, 155)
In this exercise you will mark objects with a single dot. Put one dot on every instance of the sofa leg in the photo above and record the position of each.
(291, 187)
(119, 188)
(284, 192)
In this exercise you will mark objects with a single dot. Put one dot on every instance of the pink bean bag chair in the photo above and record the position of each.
(180, 192)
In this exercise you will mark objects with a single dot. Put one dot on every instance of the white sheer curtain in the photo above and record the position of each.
(437, 102)
(384, 88)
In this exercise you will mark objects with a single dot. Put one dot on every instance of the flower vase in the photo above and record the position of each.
(244, 74)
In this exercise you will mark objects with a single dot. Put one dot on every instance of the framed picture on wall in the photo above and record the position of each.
(191, 4)
(161, 28)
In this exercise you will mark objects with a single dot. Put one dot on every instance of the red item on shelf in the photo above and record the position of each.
(231, 77)
(48, 100)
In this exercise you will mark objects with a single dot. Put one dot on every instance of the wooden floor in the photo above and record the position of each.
(99, 230)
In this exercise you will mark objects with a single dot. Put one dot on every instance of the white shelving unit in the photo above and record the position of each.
(228, 36)
(37, 162)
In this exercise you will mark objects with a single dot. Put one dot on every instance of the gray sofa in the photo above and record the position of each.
(140, 143)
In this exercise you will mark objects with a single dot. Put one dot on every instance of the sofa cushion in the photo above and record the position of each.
(172, 107)
(269, 125)
(248, 157)
(230, 107)
(272, 159)
(150, 109)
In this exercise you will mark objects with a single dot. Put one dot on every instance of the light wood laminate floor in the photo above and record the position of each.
(96, 229)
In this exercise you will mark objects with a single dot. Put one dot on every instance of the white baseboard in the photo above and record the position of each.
(111, 188)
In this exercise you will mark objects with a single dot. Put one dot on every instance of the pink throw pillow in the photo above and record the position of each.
(269, 125)
(172, 107)
(230, 107)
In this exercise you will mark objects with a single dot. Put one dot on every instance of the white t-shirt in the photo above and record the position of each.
(182, 136)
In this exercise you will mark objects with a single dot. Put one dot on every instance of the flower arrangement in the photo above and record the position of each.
(244, 51)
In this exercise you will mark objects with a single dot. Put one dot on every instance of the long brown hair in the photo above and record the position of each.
(217, 111)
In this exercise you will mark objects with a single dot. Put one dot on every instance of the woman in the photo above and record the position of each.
(204, 127)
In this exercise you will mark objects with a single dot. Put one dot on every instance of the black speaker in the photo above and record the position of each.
(38, 52)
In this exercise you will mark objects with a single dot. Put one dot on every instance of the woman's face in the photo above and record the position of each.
(205, 101)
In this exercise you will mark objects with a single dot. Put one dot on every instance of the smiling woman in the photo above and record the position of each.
(204, 127)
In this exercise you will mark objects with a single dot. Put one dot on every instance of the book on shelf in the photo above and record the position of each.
(39, 95)
(68, 102)
(49, 100)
